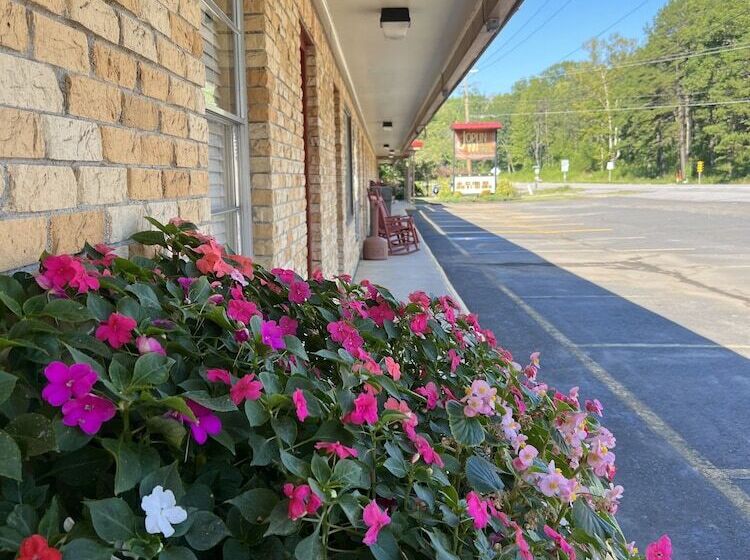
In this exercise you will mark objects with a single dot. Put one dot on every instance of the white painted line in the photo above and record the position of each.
(660, 345)
(614, 238)
(662, 250)
(741, 474)
(584, 296)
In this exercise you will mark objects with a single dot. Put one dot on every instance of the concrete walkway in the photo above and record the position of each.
(403, 274)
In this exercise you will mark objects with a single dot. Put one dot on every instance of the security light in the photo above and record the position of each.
(386, 145)
(387, 125)
(395, 22)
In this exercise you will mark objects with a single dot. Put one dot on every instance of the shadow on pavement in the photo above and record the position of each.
(696, 387)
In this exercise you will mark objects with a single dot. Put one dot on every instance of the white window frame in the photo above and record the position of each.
(240, 168)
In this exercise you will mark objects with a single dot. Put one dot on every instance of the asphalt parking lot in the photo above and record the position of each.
(641, 298)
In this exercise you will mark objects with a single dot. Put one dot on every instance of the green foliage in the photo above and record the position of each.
(260, 475)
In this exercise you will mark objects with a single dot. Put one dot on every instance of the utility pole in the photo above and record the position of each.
(466, 119)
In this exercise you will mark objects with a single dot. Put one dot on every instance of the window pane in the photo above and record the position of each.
(222, 180)
(226, 6)
(225, 228)
(218, 56)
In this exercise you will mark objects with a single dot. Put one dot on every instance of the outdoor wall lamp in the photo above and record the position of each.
(387, 125)
(386, 145)
(395, 22)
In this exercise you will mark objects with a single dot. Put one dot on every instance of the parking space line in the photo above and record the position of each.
(661, 345)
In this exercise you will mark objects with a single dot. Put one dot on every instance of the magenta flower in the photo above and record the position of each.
(217, 375)
(419, 324)
(429, 455)
(410, 422)
(660, 549)
(523, 546)
(393, 368)
(247, 388)
(375, 519)
(88, 412)
(284, 274)
(67, 382)
(346, 335)
(300, 404)
(302, 500)
(288, 325)
(146, 344)
(299, 292)
(365, 409)
(335, 448)
(477, 510)
(206, 423)
(431, 393)
(271, 335)
(117, 331)
(381, 313)
(62, 271)
(560, 541)
(455, 359)
(595, 407)
(241, 335)
(241, 310)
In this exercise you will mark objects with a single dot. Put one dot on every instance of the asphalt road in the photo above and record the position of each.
(641, 299)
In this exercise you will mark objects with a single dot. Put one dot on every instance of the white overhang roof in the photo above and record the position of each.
(405, 81)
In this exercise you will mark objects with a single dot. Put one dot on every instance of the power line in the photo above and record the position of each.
(617, 109)
(527, 37)
(521, 28)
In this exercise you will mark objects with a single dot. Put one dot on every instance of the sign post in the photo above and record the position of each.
(700, 170)
(564, 167)
(610, 167)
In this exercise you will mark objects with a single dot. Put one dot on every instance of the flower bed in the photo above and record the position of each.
(195, 405)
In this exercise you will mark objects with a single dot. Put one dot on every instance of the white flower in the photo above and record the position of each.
(162, 511)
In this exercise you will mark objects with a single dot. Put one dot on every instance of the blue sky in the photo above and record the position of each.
(512, 55)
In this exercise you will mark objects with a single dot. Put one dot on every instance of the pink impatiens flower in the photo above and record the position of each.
(393, 368)
(288, 325)
(419, 324)
(206, 423)
(365, 409)
(299, 292)
(212, 261)
(241, 310)
(146, 344)
(247, 388)
(375, 519)
(455, 359)
(477, 510)
(62, 271)
(660, 549)
(88, 413)
(67, 382)
(431, 393)
(117, 331)
(560, 541)
(336, 448)
(429, 455)
(302, 500)
(217, 375)
(272, 336)
(300, 403)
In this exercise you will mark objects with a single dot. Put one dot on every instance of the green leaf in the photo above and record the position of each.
(33, 433)
(11, 287)
(35, 304)
(441, 546)
(127, 458)
(12, 305)
(112, 518)
(199, 290)
(320, 469)
(151, 369)
(285, 428)
(207, 531)
(67, 310)
(69, 438)
(386, 547)
(75, 468)
(347, 472)
(295, 346)
(256, 413)
(99, 307)
(482, 475)
(49, 526)
(222, 403)
(294, 465)
(177, 553)
(23, 519)
(172, 431)
(309, 547)
(145, 294)
(10, 540)
(168, 477)
(264, 450)
(149, 238)
(586, 519)
(279, 522)
(467, 431)
(80, 357)
(79, 549)
(7, 383)
(397, 467)
(10, 457)
(255, 505)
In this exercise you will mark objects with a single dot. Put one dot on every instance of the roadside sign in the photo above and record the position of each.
(699, 166)
(564, 165)
(610, 165)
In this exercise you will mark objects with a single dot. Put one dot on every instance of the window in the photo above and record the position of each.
(349, 163)
(228, 149)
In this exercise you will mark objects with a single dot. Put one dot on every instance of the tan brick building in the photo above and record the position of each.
(261, 120)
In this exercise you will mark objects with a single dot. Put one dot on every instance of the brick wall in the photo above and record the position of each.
(273, 34)
(101, 122)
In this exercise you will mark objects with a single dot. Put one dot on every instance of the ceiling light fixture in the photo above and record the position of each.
(395, 22)
(387, 125)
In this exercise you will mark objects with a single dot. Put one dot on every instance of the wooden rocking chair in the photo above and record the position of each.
(399, 231)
